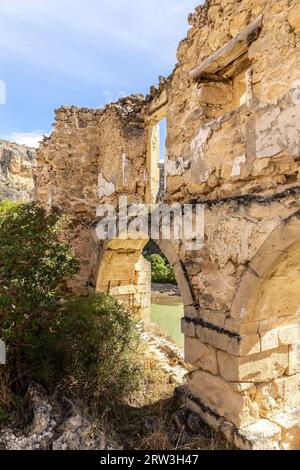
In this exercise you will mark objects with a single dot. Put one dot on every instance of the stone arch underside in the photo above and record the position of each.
(125, 273)
(269, 290)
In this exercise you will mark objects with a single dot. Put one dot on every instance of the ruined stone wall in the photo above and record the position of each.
(224, 149)
(92, 157)
(243, 163)
(233, 144)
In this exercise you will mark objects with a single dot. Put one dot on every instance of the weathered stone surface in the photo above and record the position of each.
(255, 368)
(201, 355)
(262, 435)
(233, 145)
(294, 18)
(17, 166)
(290, 428)
(224, 401)
(57, 428)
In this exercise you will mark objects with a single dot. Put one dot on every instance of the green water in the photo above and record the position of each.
(168, 318)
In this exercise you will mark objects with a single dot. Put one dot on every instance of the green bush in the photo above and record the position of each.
(161, 271)
(34, 261)
(100, 347)
(87, 344)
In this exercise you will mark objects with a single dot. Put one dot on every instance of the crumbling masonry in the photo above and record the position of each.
(232, 106)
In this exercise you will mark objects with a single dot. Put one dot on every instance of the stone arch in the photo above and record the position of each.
(269, 289)
(122, 272)
(256, 380)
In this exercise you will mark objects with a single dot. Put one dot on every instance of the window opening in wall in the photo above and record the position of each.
(241, 87)
(157, 161)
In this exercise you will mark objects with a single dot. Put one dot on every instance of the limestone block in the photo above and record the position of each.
(217, 93)
(214, 318)
(218, 395)
(255, 368)
(294, 18)
(262, 435)
(288, 334)
(289, 422)
(270, 398)
(191, 311)
(248, 345)
(240, 327)
(214, 338)
(269, 340)
(294, 360)
(188, 328)
(201, 355)
(289, 389)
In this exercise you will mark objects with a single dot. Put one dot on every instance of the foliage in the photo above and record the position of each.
(34, 261)
(161, 271)
(86, 343)
(100, 344)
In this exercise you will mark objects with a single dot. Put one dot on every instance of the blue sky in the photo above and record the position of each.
(87, 53)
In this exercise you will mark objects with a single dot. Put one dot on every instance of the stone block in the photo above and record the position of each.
(294, 360)
(262, 435)
(214, 318)
(289, 389)
(217, 93)
(289, 422)
(236, 326)
(201, 355)
(270, 398)
(260, 367)
(288, 334)
(188, 328)
(269, 340)
(218, 395)
(248, 345)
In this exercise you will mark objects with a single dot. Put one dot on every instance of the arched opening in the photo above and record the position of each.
(266, 307)
(166, 302)
(125, 273)
(269, 289)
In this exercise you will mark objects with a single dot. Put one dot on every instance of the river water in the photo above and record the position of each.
(168, 319)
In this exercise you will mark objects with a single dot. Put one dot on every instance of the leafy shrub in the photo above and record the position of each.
(86, 343)
(34, 261)
(100, 344)
(161, 271)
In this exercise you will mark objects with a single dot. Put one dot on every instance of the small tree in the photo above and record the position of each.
(87, 344)
(33, 263)
(100, 349)
(161, 271)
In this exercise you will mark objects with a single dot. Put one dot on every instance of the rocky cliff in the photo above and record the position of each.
(17, 164)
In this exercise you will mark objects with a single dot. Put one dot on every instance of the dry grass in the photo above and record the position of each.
(154, 419)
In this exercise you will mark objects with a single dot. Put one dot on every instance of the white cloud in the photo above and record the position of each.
(84, 38)
(31, 139)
